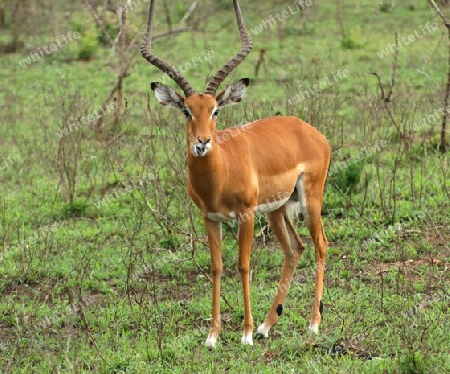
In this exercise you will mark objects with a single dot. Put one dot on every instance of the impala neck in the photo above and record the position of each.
(206, 172)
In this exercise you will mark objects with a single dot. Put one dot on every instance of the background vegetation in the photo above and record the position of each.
(104, 263)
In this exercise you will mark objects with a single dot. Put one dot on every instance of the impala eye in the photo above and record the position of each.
(186, 113)
(216, 112)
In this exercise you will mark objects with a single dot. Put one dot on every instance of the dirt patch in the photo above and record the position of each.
(169, 292)
(409, 264)
(42, 289)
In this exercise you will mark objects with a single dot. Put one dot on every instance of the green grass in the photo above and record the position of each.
(114, 288)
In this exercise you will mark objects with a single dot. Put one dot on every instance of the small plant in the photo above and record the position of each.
(388, 6)
(75, 208)
(385, 8)
(348, 179)
(413, 363)
(87, 46)
(88, 43)
(170, 242)
(352, 39)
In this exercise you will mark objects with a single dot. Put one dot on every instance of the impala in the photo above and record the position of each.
(275, 165)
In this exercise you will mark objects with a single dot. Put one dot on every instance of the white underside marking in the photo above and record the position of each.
(314, 328)
(302, 198)
(293, 209)
(211, 342)
(247, 339)
(270, 206)
(221, 217)
(263, 330)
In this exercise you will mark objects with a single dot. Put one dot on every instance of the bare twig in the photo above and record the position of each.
(162, 218)
(123, 74)
(88, 329)
(173, 31)
(394, 121)
(167, 13)
(379, 83)
(439, 234)
(431, 56)
(353, 205)
(189, 12)
(97, 20)
(260, 61)
(439, 11)
(394, 70)
(231, 229)
(387, 99)
(428, 76)
(445, 117)
(159, 323)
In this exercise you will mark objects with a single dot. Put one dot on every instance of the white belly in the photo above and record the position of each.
(218, 217)
(270, 206)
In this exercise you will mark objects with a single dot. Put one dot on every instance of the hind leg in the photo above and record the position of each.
(292, 248)
(310, 189)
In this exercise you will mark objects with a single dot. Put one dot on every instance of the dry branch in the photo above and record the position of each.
(445, 116)
(121, 47)
(189, 12)
(387, 99)
(439, 11)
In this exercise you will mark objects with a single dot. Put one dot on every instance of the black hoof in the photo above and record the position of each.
(279, 309)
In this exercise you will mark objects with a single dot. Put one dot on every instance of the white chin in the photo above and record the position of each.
(196, 154)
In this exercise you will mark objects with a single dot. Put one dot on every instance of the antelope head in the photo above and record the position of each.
(200, 110)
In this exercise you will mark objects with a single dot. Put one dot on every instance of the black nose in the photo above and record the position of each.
(200, 147)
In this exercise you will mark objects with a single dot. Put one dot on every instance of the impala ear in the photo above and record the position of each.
(232, 94)
(167, 96)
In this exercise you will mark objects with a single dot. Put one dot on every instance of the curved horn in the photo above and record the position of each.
(158, 62)
(236, 60)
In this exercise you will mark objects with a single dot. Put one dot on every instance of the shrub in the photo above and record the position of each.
(87, 46)
(352, 39)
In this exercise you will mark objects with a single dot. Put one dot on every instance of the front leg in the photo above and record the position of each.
(245, 247)
(213, 230)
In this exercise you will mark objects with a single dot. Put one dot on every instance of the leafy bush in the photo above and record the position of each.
(76, 208)
(348, 179)
(87, 46)
(413, 363)
(385, 8)
(352, 39)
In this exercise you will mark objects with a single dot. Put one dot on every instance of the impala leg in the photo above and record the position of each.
(215, 248)
(292, 248)
(312, 193)
(320, 246)
(245, 246)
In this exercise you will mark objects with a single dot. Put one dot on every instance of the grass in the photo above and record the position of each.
(116, 287)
